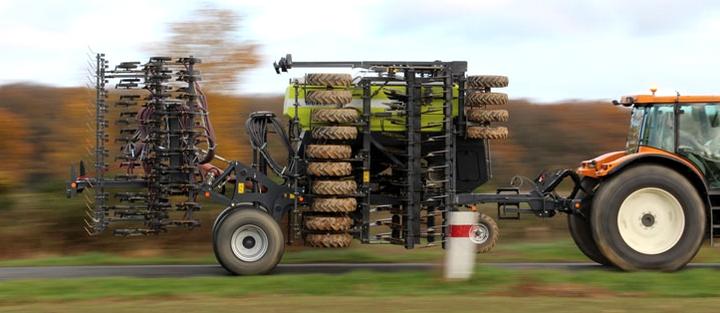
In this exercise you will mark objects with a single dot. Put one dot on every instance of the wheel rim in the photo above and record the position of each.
(479, 234)
(249, 243)
(651, 221)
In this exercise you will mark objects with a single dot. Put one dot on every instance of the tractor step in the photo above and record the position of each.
(715, 226)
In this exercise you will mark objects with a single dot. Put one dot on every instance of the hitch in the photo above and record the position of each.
(542, 200)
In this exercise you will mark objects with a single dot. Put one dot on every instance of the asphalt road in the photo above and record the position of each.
(150, 271)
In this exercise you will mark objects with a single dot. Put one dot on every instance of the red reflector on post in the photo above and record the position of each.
(459, 231)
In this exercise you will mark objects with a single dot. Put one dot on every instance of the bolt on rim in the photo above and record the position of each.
(249, 243)
(651, 221)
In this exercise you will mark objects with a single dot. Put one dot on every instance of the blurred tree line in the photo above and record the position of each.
(44, 129)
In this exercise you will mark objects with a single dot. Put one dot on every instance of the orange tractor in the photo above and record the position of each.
(650, 206)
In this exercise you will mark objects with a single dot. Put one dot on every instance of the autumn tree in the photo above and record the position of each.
(212, 34)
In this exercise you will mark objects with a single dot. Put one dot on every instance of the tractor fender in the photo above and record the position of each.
(682, 166)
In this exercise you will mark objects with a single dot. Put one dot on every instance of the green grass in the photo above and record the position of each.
(486, 281)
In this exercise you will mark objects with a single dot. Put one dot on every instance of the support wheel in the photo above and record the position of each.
(248, 242)
(485, 234)
(648, 217)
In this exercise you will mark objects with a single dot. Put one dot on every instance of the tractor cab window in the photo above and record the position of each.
(699, 139)
(659, 127)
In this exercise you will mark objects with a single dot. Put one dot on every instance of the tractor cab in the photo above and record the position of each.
(683, 127)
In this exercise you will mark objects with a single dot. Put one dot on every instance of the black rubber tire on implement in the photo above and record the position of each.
(494, 235)
(328, 79)
(334, 205)
(606, 207)
(328, 223)
(335, 133)
(485, 132)
(328, 240)
(580, 229)
(334, 187)
(484, 116)
(486, 81)
(329, 168)
(478, 98)
(222, 242)
(335, 116)
(328, 97)
(329, 152)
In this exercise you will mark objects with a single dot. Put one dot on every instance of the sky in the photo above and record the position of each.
(552, 50)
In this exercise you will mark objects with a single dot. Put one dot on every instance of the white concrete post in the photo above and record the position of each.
(460, 251)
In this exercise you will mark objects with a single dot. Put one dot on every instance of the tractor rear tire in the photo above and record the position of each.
(328, 97)
(648, 217)
(580, 229)
(328, 240)
(329, 152)
(335, 133)
(478, 99)
(329, 168)
(328, 223)
(484, 132)
(487, 81)
(328, 79)
(335, 116)
(332, 205)
(334, 187)
(248, 242)
(485, 116)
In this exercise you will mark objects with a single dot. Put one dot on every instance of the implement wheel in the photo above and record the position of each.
(248, 242)
(328, 97)
(485, 234)
(485, 132)
(329, 152)
(335, 133)
(335, 116)
(487, 81)
(328, 79)
(648, 217)
(328, 240)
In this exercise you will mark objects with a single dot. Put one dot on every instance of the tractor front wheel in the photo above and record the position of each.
(648, 217)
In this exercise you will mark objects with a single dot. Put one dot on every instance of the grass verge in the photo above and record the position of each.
(488, 281)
